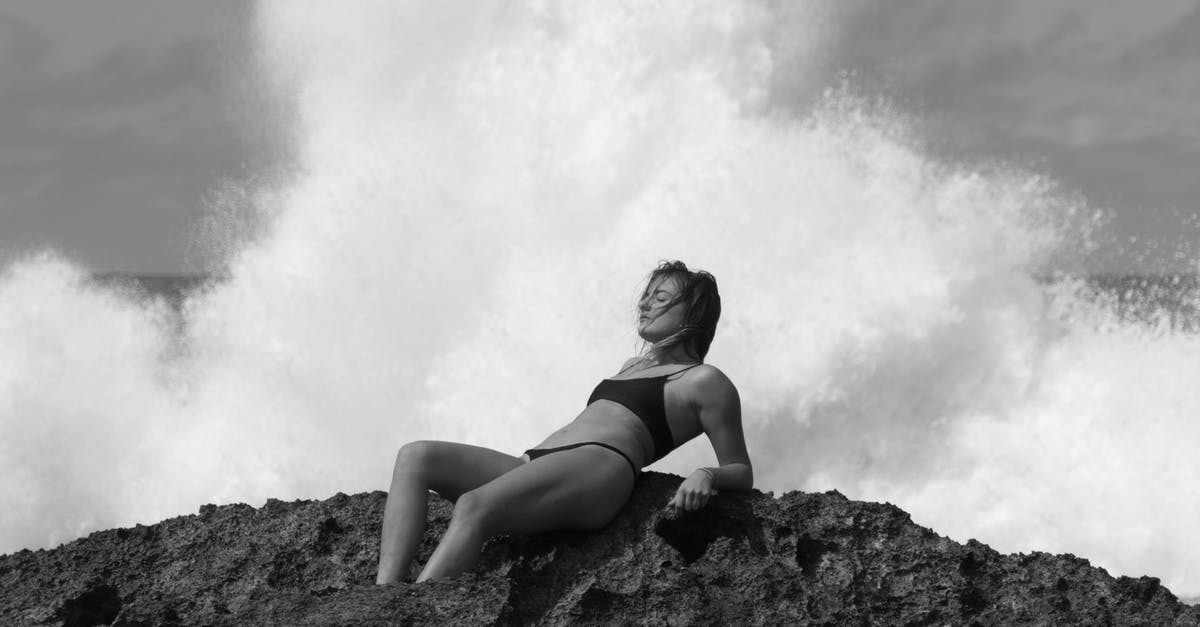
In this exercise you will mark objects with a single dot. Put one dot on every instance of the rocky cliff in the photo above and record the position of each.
(746, 558)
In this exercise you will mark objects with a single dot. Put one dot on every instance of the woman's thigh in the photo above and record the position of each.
(580, 489)
(451, 468)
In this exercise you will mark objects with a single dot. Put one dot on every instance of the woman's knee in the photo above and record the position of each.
(415, 457)
(475, 510)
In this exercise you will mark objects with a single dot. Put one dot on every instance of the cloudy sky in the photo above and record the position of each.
(118, 118)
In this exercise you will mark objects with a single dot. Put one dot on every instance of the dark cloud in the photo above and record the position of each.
(113, 126)
(1101, 94)
(80, 32)
(1079, 72)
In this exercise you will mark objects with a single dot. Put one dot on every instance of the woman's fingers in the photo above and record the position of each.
(690, 500)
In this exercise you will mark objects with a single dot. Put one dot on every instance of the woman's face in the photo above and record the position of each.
(656, 320)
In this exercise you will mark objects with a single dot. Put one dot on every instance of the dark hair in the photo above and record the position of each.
(698, 290)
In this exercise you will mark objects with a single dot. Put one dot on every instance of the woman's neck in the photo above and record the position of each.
(672, 355)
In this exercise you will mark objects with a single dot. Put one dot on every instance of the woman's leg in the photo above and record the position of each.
(581, 489)
(448, 468)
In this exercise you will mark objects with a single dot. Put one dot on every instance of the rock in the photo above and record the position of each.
(746, 558)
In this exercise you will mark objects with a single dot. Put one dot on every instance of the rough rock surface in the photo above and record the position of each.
(744, 559)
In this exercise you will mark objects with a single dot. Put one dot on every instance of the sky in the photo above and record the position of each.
(120, 120)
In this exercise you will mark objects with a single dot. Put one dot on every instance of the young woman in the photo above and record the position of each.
(581, 476)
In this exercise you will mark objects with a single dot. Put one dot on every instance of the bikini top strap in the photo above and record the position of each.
(661, 376)
(679, 371)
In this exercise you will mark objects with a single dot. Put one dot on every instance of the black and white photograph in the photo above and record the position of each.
(645, 312)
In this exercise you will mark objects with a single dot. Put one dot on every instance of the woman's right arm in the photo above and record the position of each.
(720, 412)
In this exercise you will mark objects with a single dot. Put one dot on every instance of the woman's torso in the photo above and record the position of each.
(615, 424)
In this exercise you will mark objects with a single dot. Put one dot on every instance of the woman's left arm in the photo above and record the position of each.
(720, 411)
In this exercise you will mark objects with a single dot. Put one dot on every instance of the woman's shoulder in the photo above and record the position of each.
(710, 374)
(707, 380)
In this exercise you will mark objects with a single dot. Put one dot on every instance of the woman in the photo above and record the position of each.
(581, 476)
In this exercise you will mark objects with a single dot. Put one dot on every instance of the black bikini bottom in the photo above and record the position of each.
(535, 453)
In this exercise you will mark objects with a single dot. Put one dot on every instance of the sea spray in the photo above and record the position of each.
(474, 196)
(81, 386)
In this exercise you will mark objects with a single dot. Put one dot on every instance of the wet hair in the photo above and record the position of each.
(698, 291)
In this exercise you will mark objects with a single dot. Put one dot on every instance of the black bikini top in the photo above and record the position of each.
(643, 397)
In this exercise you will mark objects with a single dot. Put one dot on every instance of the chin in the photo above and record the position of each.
(653, 338)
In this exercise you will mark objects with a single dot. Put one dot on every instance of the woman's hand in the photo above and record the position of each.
(694, 492)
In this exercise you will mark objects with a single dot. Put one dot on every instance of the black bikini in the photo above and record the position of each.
(643, 397)
(535, 453)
